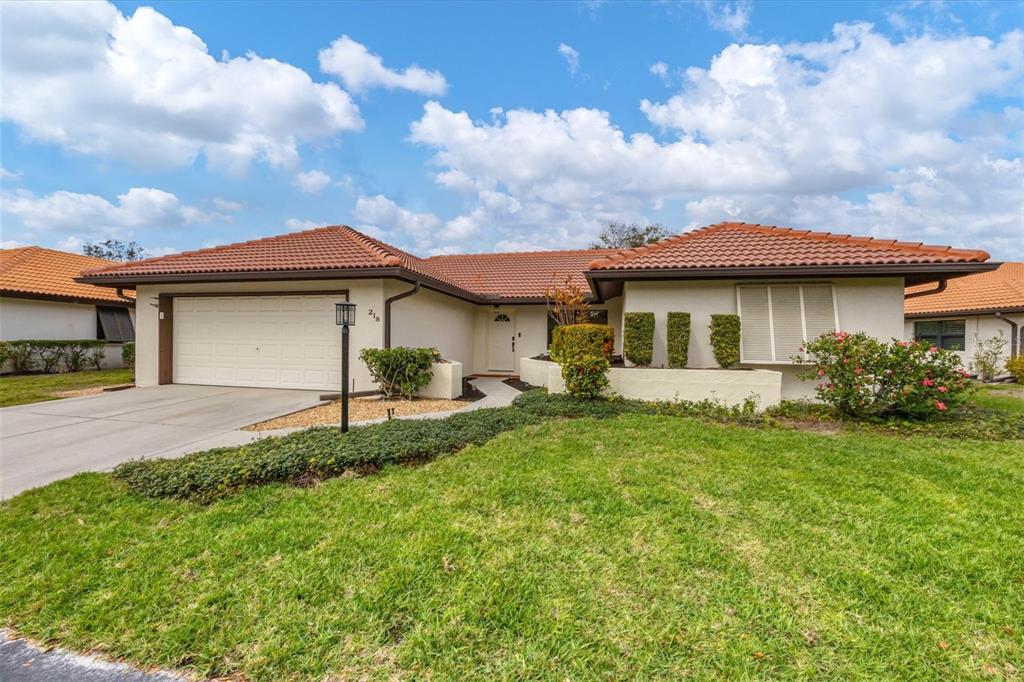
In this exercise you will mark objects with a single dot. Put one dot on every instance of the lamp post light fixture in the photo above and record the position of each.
(345, 317)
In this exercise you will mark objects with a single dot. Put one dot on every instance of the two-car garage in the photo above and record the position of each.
(266, 340)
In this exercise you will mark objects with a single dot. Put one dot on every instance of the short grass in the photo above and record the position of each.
(1005, 397)
(34, 388)
(631, 548)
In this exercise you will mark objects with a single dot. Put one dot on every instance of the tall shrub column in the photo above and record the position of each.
(678, 339)
(638, 338)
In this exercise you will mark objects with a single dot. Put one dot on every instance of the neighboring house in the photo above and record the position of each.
(40, 300)
(955, 314)
(261, 313)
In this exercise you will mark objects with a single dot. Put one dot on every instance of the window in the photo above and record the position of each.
(777, 318)
(502, 317)
(596, 317)
(114, 325)
(946, 334)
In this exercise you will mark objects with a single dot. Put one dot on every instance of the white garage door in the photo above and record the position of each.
(267, 341)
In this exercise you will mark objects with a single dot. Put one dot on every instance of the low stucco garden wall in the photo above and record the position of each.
(446, 382)
(726, 386)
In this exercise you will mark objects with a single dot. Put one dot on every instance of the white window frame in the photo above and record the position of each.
(771, 316)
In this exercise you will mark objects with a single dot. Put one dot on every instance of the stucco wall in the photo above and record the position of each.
(367, 294)
(977, 326)
(872, 305)
(445, 381)
(431, 319)
(22, 318)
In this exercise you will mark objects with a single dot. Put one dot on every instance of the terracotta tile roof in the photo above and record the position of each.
(998, 290)
(727, 245)
(516, 275)
(35, 271)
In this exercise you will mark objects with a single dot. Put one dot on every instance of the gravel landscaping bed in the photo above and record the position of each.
(359, 410)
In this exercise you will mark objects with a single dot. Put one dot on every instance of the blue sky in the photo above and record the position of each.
(462, 127)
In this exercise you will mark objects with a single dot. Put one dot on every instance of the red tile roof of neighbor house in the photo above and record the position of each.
(501, 276)
(36, 272)
(994, 291)
(734, 245)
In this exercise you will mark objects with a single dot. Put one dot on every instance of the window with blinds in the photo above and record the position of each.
(775, 319)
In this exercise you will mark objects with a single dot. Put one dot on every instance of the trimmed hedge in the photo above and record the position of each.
(638, 338)
(49, 356)
(573, 341)
(586, 376)
(725, 339)
(400, 371)
(678, 340)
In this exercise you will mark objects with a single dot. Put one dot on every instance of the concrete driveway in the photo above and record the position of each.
(44, 442)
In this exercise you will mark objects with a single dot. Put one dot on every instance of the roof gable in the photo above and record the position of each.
(45, 273)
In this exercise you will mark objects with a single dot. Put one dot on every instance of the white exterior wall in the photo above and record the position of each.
(874, 306)
(368, 332)
(429, 319)
(977, 326)
(22, 318)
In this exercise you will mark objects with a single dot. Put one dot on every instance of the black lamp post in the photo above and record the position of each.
(345, 316)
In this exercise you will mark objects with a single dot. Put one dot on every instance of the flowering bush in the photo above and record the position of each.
(585, 376)
(861, 376)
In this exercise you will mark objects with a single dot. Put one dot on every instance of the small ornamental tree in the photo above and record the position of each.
(586, 376)
(863, 377)
(987, 355)
(576, 340)
(638, 338)
(678, 339)
(567, 302)
(725, 339)
(400, 372)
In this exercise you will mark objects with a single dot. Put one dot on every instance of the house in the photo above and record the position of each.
(956, 314)
(40, 300)
(261, 313)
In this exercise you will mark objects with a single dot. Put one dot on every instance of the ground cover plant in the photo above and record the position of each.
(639, 546)
(34, 388)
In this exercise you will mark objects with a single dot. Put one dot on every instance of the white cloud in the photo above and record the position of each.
(312, 182)
(660, 69)
(766, 133)
(731, 17)
(9, 175)
(72, 216)
(12, 244)
(360, 70)
(572, 57)
(298, 225)
(393, 221)
(140, 89)
(222, 204)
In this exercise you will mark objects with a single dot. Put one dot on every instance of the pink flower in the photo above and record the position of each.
(940, 406)
(859, 370)
(904, 344)
(942, 389)
(927, 382)
(821, 372)
(933, 349)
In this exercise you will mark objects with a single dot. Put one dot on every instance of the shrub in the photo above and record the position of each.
(577, 340)
(678, 339)
(987, 354)
(400, 372)
(1015, 366)
(861, 376)
(638, 338)
(50, 354)
(5, 353)
(78, 354)
(725, 339)
(128, 355)
(96, 356)
(567, 302)
(586, 376)
(315, 453)
(21, 355)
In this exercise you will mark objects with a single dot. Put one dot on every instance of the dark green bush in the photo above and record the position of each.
(21, 355)
(725, 339)
(79, 353)
(578, 340)
(315, 453)
(678, 329)
(49, 356)
(400, 371)
(638, 338)
(128, 355)
(586, 376)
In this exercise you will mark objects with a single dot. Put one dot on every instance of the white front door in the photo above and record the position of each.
(503, 332)
(263, 341)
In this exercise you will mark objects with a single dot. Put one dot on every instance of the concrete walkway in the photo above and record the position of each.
(44, 442)
(21, 661)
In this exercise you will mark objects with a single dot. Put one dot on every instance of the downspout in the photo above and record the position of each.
(387, 311)
(121, 295)
(937, 290)
(1013, 334)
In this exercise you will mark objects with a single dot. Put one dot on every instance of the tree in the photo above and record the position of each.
(623, 236)
(115, 249)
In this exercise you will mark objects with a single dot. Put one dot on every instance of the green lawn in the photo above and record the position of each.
(1005, 397)
(34, 388)
(638, 547)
